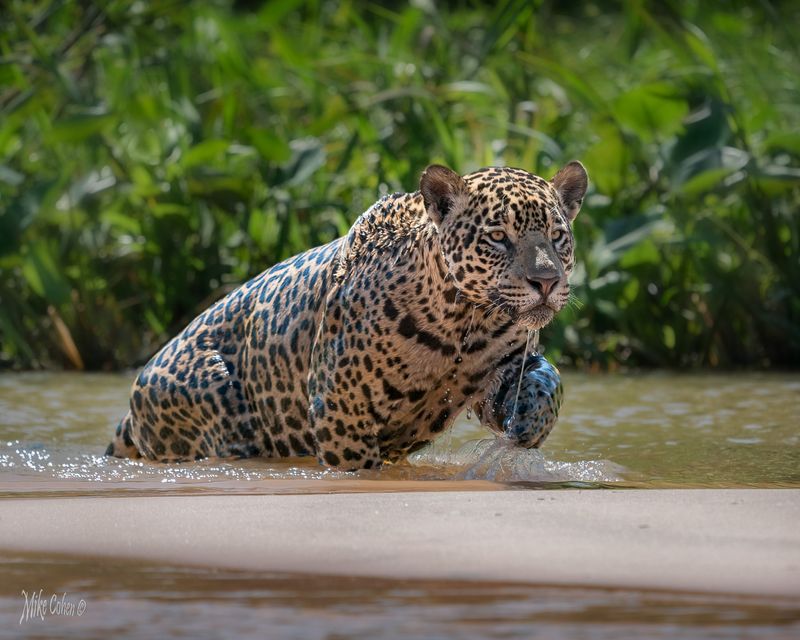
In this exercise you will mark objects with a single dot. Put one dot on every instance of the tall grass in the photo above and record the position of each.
(155, 154)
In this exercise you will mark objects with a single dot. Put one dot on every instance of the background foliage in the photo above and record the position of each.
(155, 154)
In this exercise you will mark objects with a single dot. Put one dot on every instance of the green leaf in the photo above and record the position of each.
(13, 340)
(606, 160)
(643, 252)
(652, 111)
(93, 182)
(700, 45)
(206, 152)
(208, 182)
(669, 336)
(776, 179)
(336, 112)
(705, 128)
(18, 213)
(162, 209)
(565, 77)
(269, 145)
(274, 11)
(608, 308)
(79, 128)
(783, 141)
(122, 222)
(621, 236)
(706, 169)
(44, 276)
(308, 155)
(706, 181)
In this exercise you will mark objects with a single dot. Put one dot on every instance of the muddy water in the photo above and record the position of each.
(637, 430)
(621, 431)
(123, 599)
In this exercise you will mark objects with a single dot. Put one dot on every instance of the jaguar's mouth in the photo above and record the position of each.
(534, 317)
(529, 316)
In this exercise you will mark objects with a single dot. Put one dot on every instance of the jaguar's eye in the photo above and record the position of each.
(497, 235)
(557, 236)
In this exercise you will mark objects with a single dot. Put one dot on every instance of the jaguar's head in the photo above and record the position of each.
(506, 236)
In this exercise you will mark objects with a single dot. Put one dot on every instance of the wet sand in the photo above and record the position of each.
(46, 487)
(723, 541)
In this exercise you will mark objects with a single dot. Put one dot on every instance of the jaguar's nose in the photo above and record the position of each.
(542, 285)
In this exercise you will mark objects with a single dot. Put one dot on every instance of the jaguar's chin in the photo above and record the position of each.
(535, 317)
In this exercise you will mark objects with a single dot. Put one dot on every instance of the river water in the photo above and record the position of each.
(622, 431)
(648, 430)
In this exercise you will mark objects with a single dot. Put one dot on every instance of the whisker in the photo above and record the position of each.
(574, 301)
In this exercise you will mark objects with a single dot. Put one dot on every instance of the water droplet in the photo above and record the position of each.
(522, 369)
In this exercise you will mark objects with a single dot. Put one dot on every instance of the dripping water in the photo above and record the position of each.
(469, 328)
(532, 333)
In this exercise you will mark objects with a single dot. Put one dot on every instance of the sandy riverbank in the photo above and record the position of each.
(728, 541)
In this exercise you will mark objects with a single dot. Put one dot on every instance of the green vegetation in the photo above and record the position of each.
(155, 154)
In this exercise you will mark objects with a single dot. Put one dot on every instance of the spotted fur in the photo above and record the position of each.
(359, 351)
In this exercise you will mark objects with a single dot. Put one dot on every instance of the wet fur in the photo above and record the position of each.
(361, 350)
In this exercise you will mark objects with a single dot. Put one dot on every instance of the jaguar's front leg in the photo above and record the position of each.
(524, 407)
(345, 441)
(344, 432)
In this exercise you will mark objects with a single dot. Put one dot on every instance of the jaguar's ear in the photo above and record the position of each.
(571, 184)
(443, 191)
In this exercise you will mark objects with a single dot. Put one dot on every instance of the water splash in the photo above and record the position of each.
(24, 467)
(499, 460)
(21, 462)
